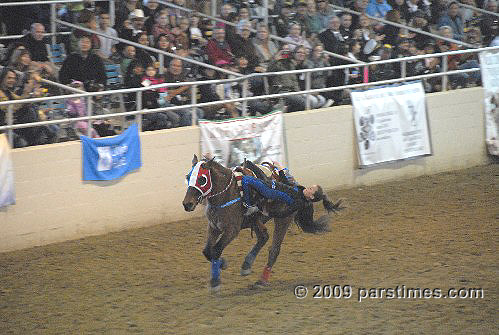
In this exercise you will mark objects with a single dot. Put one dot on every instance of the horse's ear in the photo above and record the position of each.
(194, 160)
(209, 163)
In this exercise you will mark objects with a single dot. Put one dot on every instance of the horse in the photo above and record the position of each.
(217, 186)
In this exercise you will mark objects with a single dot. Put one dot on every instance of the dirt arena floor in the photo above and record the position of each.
(433, 232)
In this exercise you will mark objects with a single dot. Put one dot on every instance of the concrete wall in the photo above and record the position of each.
(321, 144)
(54, 205)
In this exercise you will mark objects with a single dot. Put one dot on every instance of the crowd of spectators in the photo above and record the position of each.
(306, 29)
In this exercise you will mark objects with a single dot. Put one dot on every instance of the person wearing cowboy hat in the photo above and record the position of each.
(133, 25)
(123, 10)
(138, 18)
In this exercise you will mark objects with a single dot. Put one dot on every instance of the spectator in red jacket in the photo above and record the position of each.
(218, 49)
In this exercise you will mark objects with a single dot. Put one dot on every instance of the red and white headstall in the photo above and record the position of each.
(200, 179)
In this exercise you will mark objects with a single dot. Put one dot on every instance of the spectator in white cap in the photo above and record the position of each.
(123, 10)
(134, 25)
(137, 17)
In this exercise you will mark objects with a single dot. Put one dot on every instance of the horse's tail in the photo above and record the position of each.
(304, 218)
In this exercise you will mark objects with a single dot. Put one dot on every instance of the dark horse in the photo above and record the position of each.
(210, 181)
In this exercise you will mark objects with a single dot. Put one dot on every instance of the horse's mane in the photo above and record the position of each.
(221, 175)
(218, 168)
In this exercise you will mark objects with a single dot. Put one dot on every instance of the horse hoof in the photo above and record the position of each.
(224, 264)
(215, 285)
(262, 284)
(215, 290)
(245, 272)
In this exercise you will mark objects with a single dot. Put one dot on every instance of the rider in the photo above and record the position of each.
(297, 198)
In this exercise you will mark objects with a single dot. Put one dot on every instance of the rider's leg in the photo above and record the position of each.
(264, 190)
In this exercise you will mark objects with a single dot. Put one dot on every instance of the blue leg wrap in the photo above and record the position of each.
(215, 268)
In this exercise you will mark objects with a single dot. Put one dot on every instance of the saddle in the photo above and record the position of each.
(264, 171)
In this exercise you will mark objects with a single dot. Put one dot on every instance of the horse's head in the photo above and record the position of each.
(199, 183)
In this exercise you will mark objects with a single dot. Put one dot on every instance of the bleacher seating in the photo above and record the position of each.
(56, 110)
(114, 77)
(56, 54)
(115, 102)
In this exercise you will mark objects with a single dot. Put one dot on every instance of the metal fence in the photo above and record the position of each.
(139, 111)
(53, 11)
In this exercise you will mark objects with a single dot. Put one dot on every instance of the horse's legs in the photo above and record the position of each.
(218, 263)
(209, 251)
(213, 235)
(228, 235)
(281, 227)
(262, 238)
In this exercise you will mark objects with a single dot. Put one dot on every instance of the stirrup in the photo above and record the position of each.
(251, 210)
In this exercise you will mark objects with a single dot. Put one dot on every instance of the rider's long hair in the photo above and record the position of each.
(304, 218)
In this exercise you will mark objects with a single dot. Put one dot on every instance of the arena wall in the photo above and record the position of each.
(54, 205)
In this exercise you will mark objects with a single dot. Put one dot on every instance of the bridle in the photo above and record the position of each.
(233, 201)
(224, 190)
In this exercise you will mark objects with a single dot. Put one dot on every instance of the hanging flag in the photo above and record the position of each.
(257, 138)
(7, 191)
(111, 158)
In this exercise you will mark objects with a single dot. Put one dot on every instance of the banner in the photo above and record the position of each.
(259, 139)
(111, 158)
(391, 123)
(7, 191)
(489, 65)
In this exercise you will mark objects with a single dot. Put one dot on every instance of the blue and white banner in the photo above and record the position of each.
(7, 191)
(111, 158)
(257, 138)
(391, 123)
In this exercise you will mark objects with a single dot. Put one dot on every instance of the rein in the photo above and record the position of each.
(228, 203)
(225, 189)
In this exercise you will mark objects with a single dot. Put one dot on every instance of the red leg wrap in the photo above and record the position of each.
(266, 273)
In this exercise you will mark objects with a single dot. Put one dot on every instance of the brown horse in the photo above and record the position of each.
(217, 185)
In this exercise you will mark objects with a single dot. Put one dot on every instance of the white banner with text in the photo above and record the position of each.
(258, 139)
(489, 64)
(7, 190)
(391, 123)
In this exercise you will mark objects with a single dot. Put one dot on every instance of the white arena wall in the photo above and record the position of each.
(54, 204)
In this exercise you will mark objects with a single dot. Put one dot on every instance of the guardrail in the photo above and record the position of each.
(193, 105)
(271, 36)
(53, 11)
(477, 9)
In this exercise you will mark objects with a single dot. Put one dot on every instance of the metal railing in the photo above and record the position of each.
(271, 36)
(148, 48)
(10, 37)
(53, 10)
(161, 54)
(398, 25)
(193, 105)
(476, 9)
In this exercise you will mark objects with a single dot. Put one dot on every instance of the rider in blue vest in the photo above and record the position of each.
(296, 197)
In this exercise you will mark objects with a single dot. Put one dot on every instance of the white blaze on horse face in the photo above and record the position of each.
(200, 179)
